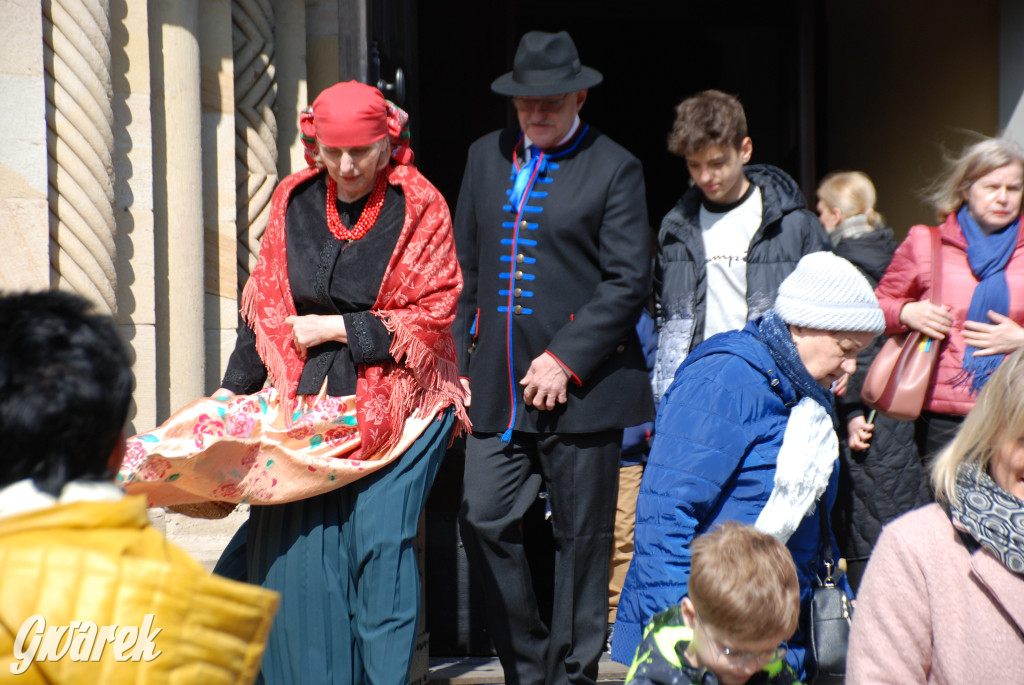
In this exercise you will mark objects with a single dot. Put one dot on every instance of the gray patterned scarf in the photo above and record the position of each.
(991, 515)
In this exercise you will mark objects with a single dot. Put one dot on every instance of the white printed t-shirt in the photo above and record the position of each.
(727, 235)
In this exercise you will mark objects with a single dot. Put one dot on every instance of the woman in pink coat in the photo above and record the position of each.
(942, 600)
(979, 318)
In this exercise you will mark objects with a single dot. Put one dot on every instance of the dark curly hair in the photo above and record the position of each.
(65, 389)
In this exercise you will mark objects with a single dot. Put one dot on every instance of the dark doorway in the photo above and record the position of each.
(652, 55)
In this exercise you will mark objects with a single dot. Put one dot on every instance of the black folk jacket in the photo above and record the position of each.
(567, 275)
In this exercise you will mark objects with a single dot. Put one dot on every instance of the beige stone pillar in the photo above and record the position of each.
(24, 232)
(255, 124)
(133, 200)
(80, 143)
(322, 44)
(292, 91)
(178, 213)
(219, 185)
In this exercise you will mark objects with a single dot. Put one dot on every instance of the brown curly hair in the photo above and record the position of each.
(708, 118)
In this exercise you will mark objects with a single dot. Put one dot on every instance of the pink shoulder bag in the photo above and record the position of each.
(901, 373)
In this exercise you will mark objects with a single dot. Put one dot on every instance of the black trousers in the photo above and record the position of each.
(580, 473)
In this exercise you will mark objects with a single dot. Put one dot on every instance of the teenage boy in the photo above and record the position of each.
(743, 604)
(732, 237)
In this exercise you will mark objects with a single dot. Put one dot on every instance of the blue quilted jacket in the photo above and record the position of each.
(718, 432)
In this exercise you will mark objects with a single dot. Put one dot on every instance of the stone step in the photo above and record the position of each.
(487, 671)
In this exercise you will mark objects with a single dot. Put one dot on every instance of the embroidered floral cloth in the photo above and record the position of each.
(241, 449)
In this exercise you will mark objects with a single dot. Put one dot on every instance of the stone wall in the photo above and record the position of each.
(140, 143)
(139, 147)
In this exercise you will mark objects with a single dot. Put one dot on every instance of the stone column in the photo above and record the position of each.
(219, 186)
(292, 92)
(255, 124)
(80, 142)
(178, 211)
(321, 44)
(133, 200)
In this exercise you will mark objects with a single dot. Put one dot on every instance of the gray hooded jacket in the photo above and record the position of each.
(788, 231)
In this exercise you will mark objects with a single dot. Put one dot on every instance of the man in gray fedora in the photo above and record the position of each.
(552, 235)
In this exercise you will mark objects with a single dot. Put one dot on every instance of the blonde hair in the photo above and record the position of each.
(997, 418)
(743, 582)
(947, 193)
(852, 193)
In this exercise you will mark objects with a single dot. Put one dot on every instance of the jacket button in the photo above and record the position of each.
(518, 309)
(519, 275)
(522, 224)
(520, 258)
(620, 349)
(518, 292)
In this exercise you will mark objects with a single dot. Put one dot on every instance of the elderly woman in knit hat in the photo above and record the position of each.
(747, 432)
(348, 313)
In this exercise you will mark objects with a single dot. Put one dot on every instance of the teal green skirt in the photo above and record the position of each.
(347, 572)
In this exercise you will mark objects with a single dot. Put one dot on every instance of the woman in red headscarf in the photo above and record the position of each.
(348, 312)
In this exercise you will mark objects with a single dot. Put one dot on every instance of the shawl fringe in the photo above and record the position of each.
(432, 381)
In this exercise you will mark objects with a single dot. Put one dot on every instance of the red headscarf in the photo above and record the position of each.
(353, 114)
(350, 114)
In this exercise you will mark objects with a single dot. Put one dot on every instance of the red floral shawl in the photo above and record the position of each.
(416, 302)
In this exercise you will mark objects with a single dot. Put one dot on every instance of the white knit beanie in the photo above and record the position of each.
(828, 293)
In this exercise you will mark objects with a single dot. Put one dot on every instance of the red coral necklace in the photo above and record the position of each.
(367, 218)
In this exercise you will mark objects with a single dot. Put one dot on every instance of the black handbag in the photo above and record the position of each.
(831, 616)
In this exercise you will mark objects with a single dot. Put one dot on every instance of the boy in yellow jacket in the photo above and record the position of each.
(89, 591)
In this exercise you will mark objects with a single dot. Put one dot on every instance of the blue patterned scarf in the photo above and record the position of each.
(774, 333)
(987, 255)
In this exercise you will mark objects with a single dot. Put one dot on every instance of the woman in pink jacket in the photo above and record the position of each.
(979, 318)
(942, 600)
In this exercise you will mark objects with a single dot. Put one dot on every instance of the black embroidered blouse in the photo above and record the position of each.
(329, 276)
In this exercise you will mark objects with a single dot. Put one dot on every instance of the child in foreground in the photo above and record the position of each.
(744, 603)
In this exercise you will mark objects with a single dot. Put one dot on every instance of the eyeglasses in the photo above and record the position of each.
(733, 657)
(543, 104)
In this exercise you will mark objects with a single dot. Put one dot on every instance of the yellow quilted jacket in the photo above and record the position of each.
(102, 562)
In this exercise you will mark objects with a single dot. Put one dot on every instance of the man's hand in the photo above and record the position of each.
(546, 382)
(313, 329)
(468, 399)
(1002, 336)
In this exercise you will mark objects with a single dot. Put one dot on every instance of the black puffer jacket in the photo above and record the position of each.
(886, 480)
(788, 231)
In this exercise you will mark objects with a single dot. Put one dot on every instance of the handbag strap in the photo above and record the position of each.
(935, 236)
(825, 543)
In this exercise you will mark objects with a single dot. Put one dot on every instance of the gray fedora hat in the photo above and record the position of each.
(546, 64)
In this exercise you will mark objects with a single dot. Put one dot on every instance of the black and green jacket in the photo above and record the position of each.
(659, 659)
